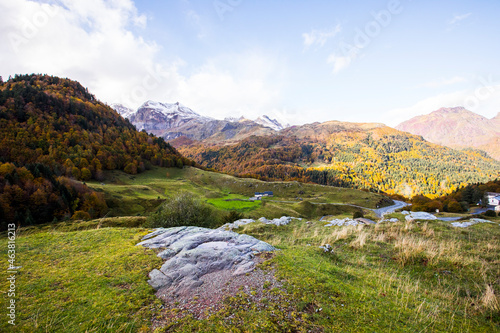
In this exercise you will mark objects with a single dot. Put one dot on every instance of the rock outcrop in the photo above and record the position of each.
(192, 252)
(284, 220)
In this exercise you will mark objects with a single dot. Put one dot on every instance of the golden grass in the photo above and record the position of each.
(489, 300)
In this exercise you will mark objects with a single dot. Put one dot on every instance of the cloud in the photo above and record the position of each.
(457, 18)
(195, 20)
(444, 82)
(483, 99)
(320, 37)
(98, 43)
(339, 62)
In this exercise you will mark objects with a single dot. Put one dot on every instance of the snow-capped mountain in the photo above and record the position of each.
(124, 111)
(171, 121)
(268, 122)
(161, 116)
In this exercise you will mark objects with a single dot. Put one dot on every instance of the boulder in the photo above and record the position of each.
(192, 252)
(284, 220)
(365, 221)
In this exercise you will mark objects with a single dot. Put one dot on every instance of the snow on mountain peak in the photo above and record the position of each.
(268, 122)
(122, 110)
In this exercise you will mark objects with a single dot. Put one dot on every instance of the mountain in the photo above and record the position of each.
(268, 122)
(457, 128)
(155, 116)
(122, 110)
(172, 121)
(359, 155)
(54, 136)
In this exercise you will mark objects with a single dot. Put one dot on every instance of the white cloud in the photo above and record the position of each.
(92, 41)
(444, 82)
(195, 20)
(483, 99)
(320, 37)
(339, 62)
(457, 18)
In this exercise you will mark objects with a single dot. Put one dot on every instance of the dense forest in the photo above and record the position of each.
(459, 200)
(378, 158)
(54, 136)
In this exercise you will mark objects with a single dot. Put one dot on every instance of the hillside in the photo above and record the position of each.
(55, 133)
(457, 128)
(371, 156)
(390, 277)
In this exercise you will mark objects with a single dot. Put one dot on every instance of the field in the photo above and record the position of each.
(88, 276)
(129, 195)
(390, 277)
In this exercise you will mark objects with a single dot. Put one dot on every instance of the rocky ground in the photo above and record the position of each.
(204, 266)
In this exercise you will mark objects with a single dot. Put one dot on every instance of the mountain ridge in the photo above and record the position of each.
(457, 127)
(172, 121)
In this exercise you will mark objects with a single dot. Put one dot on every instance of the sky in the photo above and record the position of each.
(296, 61)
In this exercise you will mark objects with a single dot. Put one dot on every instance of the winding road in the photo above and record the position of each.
(389, 209)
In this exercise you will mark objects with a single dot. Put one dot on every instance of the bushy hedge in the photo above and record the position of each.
(184, 210)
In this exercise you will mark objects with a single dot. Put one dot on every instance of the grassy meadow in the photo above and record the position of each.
(129, 195)
(88, 276)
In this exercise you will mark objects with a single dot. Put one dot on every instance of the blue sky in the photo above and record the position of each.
(298, 61)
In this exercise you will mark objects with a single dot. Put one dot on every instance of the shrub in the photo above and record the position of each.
(183, 210)
(490, 213)
(80, 215)
(455, 207)
(433, 206)
(357, 214)
(232, 216)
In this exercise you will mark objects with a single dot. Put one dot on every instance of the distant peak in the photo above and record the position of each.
(456, 109)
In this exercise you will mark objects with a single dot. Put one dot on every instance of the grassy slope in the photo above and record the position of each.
(393, 277)
(139, 194)
(397, 277)
(84, 281)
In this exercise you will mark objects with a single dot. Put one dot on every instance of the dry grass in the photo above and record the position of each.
(489, 300)
(360, 241)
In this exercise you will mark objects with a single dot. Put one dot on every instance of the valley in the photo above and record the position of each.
(87, 191)
(393, 276)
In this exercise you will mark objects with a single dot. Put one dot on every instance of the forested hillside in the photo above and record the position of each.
(369, 156)
(53, 132)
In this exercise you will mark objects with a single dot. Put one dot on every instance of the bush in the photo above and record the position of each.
(183, 210)
(232, 216)
(357, 214)
(80, 215)
(490, 213)
(455, 207)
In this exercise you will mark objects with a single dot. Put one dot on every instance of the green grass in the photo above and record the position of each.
(234, 202)
(83, 281)
(393, 277)
(140, 194)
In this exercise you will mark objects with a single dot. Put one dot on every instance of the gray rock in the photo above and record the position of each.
(326, 248)
(284, 220)
(191, 252)
(419, 216)
(364, 220)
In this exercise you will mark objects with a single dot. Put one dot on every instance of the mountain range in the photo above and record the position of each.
(171, 121)
(357, 155)
(457, 128)
(361, 155)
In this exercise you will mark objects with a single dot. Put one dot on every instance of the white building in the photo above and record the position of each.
(493, 198)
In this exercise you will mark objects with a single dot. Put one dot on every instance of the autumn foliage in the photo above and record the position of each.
(377, 159)
(54, 135)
